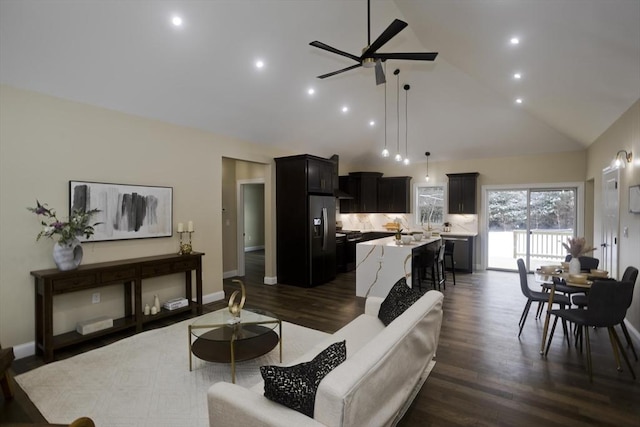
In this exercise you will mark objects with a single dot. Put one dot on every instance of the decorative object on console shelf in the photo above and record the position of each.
(127, 211)
(185, 248)
(175, 303)
(94, 325)
(67, 251)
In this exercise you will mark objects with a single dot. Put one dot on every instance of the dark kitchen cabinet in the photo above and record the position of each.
(394, 194)
(462, 193)
(363, 187)
(321, 174)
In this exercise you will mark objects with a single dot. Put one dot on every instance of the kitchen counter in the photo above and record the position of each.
(382, 262)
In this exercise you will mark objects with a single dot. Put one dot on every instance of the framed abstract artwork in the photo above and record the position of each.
(634, 199)
(126, 211)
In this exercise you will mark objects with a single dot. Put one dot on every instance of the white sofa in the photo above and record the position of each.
(384, 369)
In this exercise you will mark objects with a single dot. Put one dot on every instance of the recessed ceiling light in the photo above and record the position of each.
(176, 21)
(345, 109)
(259, 63)
(517, 76)
(518, 100)
(311, 91)
(372, 123)
(514, 40)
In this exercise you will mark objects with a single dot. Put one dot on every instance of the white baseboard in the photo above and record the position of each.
(229, 274)
(632, 331)
(253, 248)
(270, 280)
(216, 296)
(24, 350)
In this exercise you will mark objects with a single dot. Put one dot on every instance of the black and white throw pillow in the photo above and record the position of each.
(399, 298)
(296, 386)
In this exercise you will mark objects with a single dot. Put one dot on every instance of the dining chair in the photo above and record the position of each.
(587, 263)
(630, 275)
(535, 296)
(449, 245)
(440, 272)
(607, 306)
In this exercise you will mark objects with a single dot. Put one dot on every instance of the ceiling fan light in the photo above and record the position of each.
(368, 63)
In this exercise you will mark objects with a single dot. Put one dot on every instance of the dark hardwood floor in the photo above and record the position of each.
(484, 375)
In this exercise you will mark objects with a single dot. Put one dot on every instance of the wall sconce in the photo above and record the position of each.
(621, 159)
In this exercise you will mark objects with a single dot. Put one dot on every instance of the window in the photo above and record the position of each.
(429, 200)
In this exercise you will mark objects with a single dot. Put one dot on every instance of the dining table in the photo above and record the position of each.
(546, 275)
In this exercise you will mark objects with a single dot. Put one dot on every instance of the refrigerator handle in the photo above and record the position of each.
(325, 229)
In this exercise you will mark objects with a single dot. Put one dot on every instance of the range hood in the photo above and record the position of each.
(337, 192)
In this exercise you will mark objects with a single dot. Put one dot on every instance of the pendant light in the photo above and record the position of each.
(426, 178)
(406, 124)
(385, 151)
(398, 156)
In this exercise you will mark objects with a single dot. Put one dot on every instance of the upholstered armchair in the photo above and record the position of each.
(6, 357)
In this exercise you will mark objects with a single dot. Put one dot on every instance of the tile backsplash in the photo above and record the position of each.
(370, 222)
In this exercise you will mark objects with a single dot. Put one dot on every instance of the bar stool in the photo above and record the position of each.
(448, 254)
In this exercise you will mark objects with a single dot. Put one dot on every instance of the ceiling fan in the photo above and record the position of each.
(370, 58)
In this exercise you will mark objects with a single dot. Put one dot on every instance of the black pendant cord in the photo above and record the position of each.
(406, 121)
(398, 111)
(385, 108)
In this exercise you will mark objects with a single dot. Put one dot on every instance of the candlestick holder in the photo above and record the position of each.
(185, 248)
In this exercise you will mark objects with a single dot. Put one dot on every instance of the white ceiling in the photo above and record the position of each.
(580, 61)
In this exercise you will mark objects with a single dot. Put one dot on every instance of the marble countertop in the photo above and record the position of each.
(390, 242)
(442, 233)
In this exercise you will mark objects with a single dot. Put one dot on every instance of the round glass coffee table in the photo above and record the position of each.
(219, 339)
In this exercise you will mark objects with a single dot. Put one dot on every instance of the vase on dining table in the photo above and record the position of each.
(574, 266)
(67, 256)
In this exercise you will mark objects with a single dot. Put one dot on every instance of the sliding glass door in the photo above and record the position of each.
(529, 223)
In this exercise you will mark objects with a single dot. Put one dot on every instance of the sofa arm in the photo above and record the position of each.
(233, 405)
(372, 306)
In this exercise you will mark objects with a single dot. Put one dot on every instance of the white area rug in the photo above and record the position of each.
(144, 380)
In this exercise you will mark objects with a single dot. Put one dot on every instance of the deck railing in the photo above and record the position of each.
(545, 244)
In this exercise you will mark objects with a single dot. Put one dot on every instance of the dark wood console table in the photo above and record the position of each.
(127, 273)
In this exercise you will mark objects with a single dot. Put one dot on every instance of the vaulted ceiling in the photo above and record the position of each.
(579, 62)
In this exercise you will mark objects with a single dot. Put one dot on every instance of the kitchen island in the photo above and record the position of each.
(382, 262)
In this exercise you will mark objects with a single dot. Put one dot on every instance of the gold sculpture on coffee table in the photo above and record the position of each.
(236, 308)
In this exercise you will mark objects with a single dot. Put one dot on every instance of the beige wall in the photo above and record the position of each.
(45, 142)
(624, 134)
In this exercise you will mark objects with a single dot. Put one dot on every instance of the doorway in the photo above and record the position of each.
(531, 223)
(610, 221)
(251, 222)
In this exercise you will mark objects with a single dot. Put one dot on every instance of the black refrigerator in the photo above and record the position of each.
(305, 220)
(322, 239)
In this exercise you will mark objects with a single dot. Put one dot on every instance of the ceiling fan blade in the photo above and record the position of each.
(328, 48)
(394, 28)
(380, 79)
(415, 56)
(324, 76)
